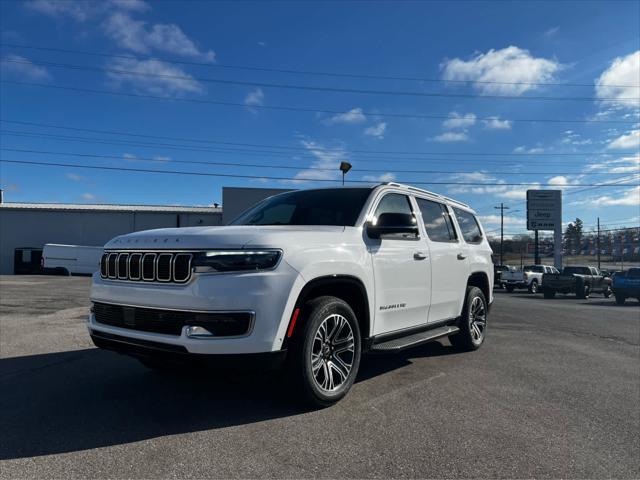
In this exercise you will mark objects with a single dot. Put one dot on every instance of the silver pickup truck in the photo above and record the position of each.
(529, 277)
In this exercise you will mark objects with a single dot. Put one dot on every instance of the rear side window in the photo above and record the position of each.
(535, 269)
(468, 226)
(437, 221)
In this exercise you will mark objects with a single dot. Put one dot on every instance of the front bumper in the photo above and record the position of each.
(180, 355)
(269, 295)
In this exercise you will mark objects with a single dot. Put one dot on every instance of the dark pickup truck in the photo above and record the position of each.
(626, 285)
(582, 281)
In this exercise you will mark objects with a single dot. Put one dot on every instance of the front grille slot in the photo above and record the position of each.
(171, 322)
(134, 266)
(149, 267)
(111, 265)
(123, 272)
(165, 267)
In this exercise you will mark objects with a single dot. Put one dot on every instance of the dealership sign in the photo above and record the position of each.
(544, 209)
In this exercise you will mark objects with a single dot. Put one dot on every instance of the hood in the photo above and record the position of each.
(241, 236)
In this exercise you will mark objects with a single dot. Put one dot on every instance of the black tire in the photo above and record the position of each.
(583, 291)
(549, 293)
(533, 286)
(620, 299)
(471, 337)
(607, 292)
(510, 288)
(316, 313)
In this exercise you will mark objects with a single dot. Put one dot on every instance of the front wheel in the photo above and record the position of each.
(473, 322)
(533, 288)
(620, 299)
(326, 354)
(549, 293)
(607, 292)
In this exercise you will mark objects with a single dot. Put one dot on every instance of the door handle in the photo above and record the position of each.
(461, 256)
(419, 255)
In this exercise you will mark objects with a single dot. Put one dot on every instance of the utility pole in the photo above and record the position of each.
(598, 244)
(502, 208)
(536, 256)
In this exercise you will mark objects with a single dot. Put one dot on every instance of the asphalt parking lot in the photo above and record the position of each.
(554, 392)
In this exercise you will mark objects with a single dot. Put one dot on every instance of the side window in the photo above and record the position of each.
(437, 221)
(395, 203)
(594, 271)
(468, 226)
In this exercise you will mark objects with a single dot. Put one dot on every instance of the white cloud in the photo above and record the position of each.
(83, 10)
(134, 35)
(377, 130)
(508, 220)
(524, 149)
(21, 68)
(550, 33)
(354, 115)
(629, 140)
(254, 98)
(456, 120)
(385, 177)
(450, 137)
(621, 81)
(324, 158)
(513, 65)
(495, 123)
(629, 197)
(89, 197)
(74, 177)
(154, 77)
(558, 180)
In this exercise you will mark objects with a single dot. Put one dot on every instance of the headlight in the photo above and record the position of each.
(236, 260)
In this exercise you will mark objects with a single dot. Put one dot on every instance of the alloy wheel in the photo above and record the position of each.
(332, 353)
(477, 319)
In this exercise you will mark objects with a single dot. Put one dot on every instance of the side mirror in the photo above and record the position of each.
(390, 223)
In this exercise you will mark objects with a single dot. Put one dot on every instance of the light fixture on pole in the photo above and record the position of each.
(344, 168)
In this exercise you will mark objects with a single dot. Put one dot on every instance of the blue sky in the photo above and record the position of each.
(476, 52)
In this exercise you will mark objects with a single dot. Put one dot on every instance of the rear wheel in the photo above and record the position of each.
(326, 353)
(549, 293)
(473, 322)
(620, 299)
(533, 287)
(607, 292)
(583, 291)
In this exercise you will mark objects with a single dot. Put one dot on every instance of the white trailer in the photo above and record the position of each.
(71, 259)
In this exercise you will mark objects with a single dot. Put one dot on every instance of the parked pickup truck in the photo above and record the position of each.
(530, 277)
(626, 285)
(582, 281)
(306, 280)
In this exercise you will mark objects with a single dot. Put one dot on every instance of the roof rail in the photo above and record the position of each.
(422, 190)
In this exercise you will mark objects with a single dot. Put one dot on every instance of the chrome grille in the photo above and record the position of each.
(165, 267)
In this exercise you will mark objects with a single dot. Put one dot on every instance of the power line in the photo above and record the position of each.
(207, 174)
(264, 165)
(327, 150)
(286, 108)
(317, 88)
(307, 72)
(261, 153)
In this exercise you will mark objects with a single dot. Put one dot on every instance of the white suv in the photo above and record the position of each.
(308, 279)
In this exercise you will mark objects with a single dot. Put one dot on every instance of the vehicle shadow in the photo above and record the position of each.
(70, 401)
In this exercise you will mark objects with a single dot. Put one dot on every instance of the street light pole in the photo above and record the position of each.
(502, 208)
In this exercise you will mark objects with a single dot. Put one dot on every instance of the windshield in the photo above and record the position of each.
(334, 206)
(576, 270)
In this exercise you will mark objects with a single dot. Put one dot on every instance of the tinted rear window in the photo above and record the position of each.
(633, 273)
